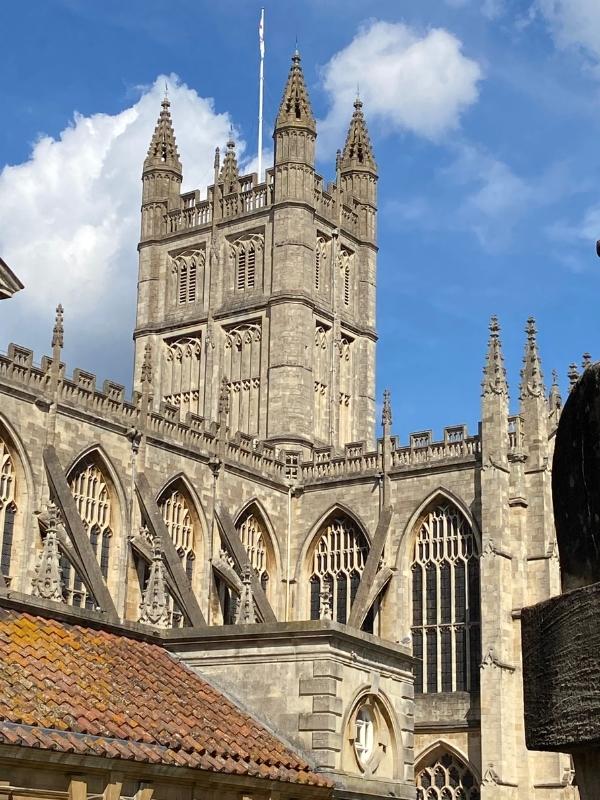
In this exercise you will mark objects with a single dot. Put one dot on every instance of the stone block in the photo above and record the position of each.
(317, 722)
(318, 686)
(327, 668)
(327, 703)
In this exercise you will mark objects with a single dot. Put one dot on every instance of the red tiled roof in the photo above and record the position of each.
(75, 689)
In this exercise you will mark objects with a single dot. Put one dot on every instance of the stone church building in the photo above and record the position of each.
(244, 512)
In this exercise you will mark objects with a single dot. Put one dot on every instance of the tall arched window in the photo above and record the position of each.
(8, 509)
(346, 379)
(338, 562)
(322, 378)
(445, 602)
(179, 520)
(90, 491)
(446, 778)
(182, 374)
(253, 535)
(345, 264)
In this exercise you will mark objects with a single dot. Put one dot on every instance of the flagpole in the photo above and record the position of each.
(261, 82)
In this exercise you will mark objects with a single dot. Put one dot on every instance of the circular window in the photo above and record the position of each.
(364, 734)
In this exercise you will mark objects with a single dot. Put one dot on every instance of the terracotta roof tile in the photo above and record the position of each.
(75, 689)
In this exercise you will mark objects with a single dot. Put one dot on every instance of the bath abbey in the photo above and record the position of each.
(238, 582)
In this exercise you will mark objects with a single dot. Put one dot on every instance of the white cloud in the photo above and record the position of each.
(574, 23)
(70, 217)
(408, 81)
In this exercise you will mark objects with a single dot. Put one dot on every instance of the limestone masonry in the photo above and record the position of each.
(240, 509)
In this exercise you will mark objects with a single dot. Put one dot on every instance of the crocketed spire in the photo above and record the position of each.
(229, 171)
(153, 608)
(494, 374)
(532, 380)
(163, 147)
(386, 411)
(358, 151)
(554, 398)
(245, 614)
(295, 107)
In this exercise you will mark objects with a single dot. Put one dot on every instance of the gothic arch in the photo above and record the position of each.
(194, 498)
(436, 751)
(304, 566)
(409, 532)
(180, 499)
(108, 541)
(271, 539)
(19, 540)
(453, 623)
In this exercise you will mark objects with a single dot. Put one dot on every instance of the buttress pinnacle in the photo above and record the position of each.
(494, 373)
(532, 380)
(163, 147)
(295, 104)
(229, 171)
(358, 151)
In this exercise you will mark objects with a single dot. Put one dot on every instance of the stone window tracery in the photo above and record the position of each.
(445, 603)
(8, 508)
(182, 374)
(90, 491)
(242, 362)
(247, 254)
(446, 778)
(338, 562)
(253, 535)
(178, 518)
(188, 269)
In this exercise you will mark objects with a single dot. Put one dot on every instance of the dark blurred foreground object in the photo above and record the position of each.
(561, 636)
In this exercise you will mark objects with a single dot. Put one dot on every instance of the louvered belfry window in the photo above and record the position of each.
(246, 253)
(445, 603)
(338, 562)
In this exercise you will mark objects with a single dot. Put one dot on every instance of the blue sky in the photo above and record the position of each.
(485, 118)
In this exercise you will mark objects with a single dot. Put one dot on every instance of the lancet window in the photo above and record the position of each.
(338, 562)
(179, 520)
(183, 380)
(242, 358)
(8, 509)
(346, 377)
(320, 259)
(445, 603)
(247, 254)
(322, 376)
(254, 538)
(90, 491)
(188, 270)
(446, 778)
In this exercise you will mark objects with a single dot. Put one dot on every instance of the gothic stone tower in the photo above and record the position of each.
(270, 286)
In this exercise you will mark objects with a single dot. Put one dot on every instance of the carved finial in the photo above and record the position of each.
(224, 397)
(494, 374)
(166, 97)
(58, 332)
(573, 375)
(154, 608)
(217, 160)
(386, 412)
(229, 171)
(358, 151)
(554, 398)
(326, 612)
(47, 582)
(532, 380)
(295, 109)
(586, 361)
(146, 376)
(245, 613)
(162, 152)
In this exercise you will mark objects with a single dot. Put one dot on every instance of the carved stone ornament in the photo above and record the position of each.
(154, 608)
(47, 582)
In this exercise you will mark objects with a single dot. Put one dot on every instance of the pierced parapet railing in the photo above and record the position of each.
(183, 219)
(456, 444)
